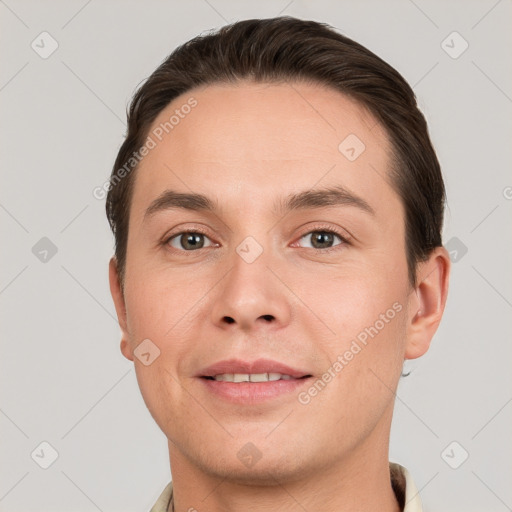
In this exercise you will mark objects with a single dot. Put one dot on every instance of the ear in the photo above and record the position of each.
(427, 302)
(118, 297)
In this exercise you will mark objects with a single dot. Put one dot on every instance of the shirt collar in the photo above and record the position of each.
(405, 488)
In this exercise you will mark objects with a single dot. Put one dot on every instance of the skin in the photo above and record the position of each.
(245, 146)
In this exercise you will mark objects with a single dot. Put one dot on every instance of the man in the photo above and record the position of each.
(277, 208)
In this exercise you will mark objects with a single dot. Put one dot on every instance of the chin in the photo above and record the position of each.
(261, 470)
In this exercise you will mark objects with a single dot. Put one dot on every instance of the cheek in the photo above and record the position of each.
(167, 309)
(159, 303)
(163, 395)
(365, 358)
(364, 350)
(352, 302)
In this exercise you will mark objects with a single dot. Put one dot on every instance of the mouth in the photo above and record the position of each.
(253, 377)
(244, 382)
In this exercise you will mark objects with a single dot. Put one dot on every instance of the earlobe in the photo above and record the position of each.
(427, 302)
(119, 303)
(126, 349)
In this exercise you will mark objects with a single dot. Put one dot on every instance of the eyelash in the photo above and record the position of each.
(344, 239)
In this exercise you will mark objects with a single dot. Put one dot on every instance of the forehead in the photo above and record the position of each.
(251, 139)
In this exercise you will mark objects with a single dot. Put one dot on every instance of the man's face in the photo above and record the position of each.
(304, 286)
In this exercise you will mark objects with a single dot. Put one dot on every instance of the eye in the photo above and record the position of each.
(189, 241)
(323, 239)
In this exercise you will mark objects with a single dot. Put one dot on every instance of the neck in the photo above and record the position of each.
(359, 482)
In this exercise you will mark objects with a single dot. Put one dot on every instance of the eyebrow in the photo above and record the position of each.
(320, 198)
(308, 199)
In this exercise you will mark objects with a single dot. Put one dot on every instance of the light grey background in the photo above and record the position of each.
(63, 379)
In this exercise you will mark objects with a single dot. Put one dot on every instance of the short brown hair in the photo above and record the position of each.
(286, 49)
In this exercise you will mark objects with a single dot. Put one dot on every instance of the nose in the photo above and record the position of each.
(251, 296)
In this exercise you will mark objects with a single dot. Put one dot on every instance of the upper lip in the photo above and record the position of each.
(251, 367)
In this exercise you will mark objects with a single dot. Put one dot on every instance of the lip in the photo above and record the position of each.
(251, 393)
(258, 366)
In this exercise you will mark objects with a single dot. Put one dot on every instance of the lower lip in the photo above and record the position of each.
(253, 392)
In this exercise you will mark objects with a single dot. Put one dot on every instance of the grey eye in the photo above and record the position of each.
(189, 240)
(322, 239)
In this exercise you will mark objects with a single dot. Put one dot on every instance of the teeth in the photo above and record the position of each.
(258, 377)
(253, 377)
